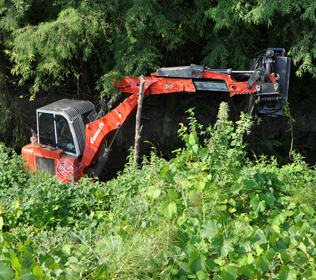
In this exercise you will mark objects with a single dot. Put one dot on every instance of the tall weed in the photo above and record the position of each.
(208, 213)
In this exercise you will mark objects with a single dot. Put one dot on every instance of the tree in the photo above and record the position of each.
(103, 39)
(90, 44)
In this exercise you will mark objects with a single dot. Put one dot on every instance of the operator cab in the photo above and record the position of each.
(62, 125)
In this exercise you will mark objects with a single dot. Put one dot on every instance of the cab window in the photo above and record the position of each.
(46, 129)
(65, 140)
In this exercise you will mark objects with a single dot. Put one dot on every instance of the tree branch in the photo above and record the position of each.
(138, 117)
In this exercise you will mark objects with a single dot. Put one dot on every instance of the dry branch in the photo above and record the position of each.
(138, 118)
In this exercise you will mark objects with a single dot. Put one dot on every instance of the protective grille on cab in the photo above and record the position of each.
(80, 136)
(79, 109)
(45, 164)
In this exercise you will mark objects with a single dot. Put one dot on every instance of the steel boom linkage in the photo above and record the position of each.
(87, 152)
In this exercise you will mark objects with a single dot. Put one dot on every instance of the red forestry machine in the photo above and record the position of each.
(71, 134)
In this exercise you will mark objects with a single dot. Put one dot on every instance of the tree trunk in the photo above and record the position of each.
(138, 118)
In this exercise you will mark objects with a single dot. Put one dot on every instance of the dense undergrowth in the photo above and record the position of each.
(208, 213)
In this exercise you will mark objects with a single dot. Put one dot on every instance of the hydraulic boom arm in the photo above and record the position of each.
(268, 82)
(71, 134)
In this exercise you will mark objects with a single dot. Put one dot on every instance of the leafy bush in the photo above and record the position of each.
(208, 213)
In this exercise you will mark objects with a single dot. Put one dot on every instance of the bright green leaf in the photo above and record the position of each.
(277, 217)
(193, 138)
(203, 154)
(222, 246)
(286, 273)
(257, 205)
(27, 275)
(6, 273)
(209, 229)
(164, 170)
(195, 148)
(247, 270)
(38, 272)
(202, 275)
(153, 192)
(169, 210)
(172, 195)
(16, 264)
(230, 274)
(307, 210)
(181, 220)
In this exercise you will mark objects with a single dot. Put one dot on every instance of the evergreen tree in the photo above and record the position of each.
(94, 41)
(59, 43)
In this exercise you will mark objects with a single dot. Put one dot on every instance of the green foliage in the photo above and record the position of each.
(208, 213)
(52, 42)
(11, 124)
(49, 45)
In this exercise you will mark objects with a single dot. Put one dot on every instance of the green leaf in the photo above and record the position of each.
(284, 256)
(196, 261)
(277, 217)
(164, 170)
(184, 238)
(202, 275)
(280, 244)
(286, 273)
(300, 258)
(258, 238)
(230, 274)
(257, 205)
(210, 265)
(172, 195)
(203, 154)
(153, 192)
(268, 198)
(186, 138)
(195, 148)
(27, 275)
(307, 210)
(169, 210)
(16, 264)
(208, 230)
(6, 273)
(247, 270)
(251, 185)
(181, 220)
(173, 165)
(262, 264)
(270, 254)
(193, 138)
(309, 274)
(222, 246)
(302, 227)
(38, 272)
(1, 223)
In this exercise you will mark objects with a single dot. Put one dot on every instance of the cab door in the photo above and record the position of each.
(54, 130)
(65, 138)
